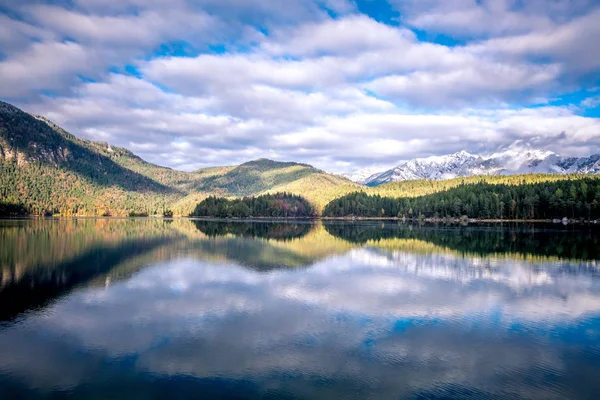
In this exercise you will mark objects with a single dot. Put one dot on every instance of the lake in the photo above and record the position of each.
(143, 308)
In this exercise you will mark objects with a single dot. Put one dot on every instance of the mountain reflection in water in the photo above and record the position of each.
(143, 308)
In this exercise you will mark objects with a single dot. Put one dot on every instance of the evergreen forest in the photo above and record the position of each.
(278, 205)
(575, 199)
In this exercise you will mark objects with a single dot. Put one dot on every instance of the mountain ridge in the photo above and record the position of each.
(518, 158)
(46, 170)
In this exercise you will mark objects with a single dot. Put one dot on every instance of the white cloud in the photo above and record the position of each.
(568, 44)
(139, 31)
(16, 35)
(467, 18)
(483, 82)
(351, 35)
(46, 66)
(591, 102)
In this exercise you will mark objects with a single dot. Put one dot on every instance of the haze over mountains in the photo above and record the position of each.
(519, 158)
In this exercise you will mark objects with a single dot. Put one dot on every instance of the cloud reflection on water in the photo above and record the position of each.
(399, 322)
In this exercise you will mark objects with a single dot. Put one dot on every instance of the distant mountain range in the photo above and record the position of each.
(517, 159)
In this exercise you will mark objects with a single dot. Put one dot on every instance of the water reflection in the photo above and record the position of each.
(543, 240)
(313, 315)
(254, 229)
(42, 259)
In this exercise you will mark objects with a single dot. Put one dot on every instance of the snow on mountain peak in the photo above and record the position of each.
(518, 158)
(521, 157)
(520, 151)
(362, 175)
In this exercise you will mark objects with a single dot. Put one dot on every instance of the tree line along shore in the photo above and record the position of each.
(573, 199)
(542, 201)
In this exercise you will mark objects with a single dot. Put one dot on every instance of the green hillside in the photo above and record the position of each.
(46, 170)
(319, 188)
(267, 177)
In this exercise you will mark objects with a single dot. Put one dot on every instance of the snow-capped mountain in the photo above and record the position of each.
(436, 167)
(516, 159)
(362, 175)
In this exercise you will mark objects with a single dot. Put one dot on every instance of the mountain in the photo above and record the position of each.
(44, 169)
(265, 176)
(442, 167)
(516, 159)
(362, 175)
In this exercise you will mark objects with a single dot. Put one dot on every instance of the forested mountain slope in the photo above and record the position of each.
(574, 198)
(44, 169)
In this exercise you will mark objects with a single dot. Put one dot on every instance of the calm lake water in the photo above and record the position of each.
(99, 308)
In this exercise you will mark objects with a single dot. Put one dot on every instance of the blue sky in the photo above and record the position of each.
(340, 84)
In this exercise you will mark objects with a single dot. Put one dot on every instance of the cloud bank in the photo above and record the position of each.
(336, 83)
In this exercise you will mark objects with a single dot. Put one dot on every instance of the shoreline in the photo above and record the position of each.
(461, 221)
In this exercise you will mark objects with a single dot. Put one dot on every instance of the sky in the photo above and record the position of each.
(339, 84)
